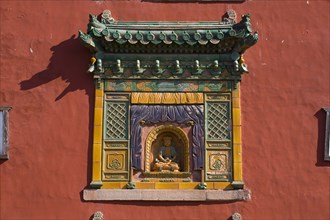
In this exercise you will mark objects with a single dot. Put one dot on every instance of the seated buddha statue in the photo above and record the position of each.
(165, 160)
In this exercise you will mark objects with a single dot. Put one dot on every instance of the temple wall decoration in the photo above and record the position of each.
(167, 102)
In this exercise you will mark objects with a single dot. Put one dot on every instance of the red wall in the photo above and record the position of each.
(43, 77)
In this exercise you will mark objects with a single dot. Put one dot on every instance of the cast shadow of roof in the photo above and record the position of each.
(69, 61)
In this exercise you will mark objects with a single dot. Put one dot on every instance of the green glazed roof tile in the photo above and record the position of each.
(171, 50)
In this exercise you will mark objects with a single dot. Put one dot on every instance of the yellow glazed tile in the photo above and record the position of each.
(98, 113)
(236, 102)
(134, 97)
(188, 185)
(96, 152)
(237, 134)
(236, 92)
(237, 151)
(96, 174)
(238, 172)
(96, 166)
(98, 102)
(96, 171)
(221, 185)
(200, 98)
(123, 185)
(166, 185)
(114, 185)
(179, 98)
(167, 98)
(156, 98)
(98, 93)
(97, 137)
(210, 185)
(144, 185)
(236, 116)
(144, 98)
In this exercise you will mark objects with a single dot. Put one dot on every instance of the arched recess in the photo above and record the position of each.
(155, 133)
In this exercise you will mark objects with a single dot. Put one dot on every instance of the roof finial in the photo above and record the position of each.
(230, 16)
(106, 17)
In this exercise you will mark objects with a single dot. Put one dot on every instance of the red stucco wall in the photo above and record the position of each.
(43, 77)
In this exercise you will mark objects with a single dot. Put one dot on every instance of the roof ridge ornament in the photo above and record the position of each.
(106, 17)
(230, 16)
(182, 50)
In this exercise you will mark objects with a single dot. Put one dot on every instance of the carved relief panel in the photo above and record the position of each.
(116, 137)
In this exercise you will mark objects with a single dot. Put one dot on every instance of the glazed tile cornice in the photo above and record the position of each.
(171, 50)
(191, 33)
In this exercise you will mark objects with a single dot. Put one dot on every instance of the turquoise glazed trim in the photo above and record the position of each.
(166, 86)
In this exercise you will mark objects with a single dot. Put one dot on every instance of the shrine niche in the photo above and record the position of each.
(167, 102)
(167, 149)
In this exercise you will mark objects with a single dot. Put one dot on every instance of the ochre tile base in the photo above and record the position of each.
(162, 185)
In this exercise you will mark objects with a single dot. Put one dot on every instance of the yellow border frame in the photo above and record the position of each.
(97, 137)
(97, 151)
(237, 138)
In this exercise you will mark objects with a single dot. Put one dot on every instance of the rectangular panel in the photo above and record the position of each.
(116, 120)
(115, 160)
(216, 97)
(115, 157)
(167, 98)
(218, 165)
(218, 120)
(167, 86)
(218, 144)
(170, 86)
(115, 176)
(4, 132)
(117, 96)
(218, 155)
(214, 86)
(109, 144)
(115, 164)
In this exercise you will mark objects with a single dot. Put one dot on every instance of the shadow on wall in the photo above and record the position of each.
(69, 61)
(321, 120)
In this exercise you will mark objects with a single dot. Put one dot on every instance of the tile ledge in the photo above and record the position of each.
(165, 195)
